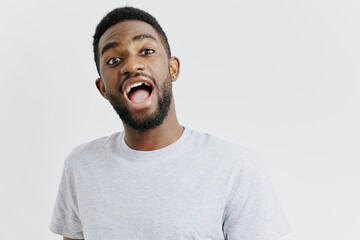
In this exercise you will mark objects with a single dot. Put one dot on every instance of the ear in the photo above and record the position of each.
(174, 65)
(101, 87)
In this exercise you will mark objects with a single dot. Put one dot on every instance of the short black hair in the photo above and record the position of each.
(121, 14)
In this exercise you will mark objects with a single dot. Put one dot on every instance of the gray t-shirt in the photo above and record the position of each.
(199, 187)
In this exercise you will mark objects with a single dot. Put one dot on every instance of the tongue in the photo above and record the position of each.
(139, 95)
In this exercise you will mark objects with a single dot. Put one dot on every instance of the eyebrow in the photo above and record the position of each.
(143, 36)
(109, 46)
(134, 39)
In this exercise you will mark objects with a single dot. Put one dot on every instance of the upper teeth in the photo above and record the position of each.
(135, 85)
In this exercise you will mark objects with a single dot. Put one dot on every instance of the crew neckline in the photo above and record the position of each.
(168, 151)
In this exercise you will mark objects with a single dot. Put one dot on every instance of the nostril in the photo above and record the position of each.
(139, 67)
(131, 70)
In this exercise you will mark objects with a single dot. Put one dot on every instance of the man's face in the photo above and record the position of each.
(136, 74)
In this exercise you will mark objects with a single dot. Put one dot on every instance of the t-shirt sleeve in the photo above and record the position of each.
(253, 211)
(65, 219)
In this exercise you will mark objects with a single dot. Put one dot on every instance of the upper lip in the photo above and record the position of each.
(138, 79)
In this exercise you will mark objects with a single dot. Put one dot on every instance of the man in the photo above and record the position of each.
(157, 179)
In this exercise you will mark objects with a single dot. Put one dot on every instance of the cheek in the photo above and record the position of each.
(109, 78)
(161, 71)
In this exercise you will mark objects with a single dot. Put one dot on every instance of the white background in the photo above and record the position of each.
(280, 77)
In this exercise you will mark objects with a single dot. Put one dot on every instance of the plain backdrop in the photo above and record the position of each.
(279, 77)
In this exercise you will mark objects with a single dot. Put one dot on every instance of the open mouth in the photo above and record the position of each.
(138, 92)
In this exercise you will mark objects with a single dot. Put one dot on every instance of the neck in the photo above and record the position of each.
(164, 135)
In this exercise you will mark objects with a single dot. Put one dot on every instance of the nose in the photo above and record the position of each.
(132, 64)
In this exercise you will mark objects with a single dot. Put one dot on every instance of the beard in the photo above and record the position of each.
(153, 120)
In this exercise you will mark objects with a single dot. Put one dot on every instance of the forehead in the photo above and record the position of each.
(125, 30)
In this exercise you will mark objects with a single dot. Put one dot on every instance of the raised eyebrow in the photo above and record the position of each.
(109, 46)
(143, 36)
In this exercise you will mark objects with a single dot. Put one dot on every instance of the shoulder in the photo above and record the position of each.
(93, 149)
(227, 152)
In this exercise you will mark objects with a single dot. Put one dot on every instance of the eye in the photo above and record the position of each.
(113, 61)
(147, 52)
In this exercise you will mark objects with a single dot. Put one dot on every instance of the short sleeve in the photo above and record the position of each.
(65, 219)
(253, 211)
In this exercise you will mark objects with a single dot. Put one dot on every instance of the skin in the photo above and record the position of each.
(135, 57)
